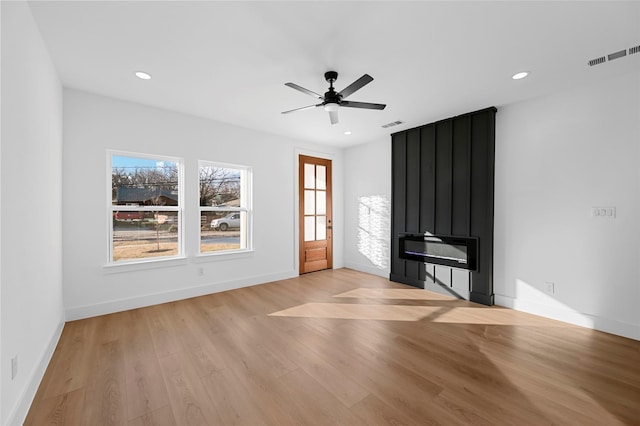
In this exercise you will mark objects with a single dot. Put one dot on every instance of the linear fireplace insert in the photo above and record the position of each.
(457, 252)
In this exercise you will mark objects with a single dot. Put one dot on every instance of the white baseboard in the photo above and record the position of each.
(88, 311)
(19, 412)
(368, 269)
(570, 316)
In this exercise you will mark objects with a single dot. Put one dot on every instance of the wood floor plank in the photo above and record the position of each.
(230, 400)
(347, 391)
(106, 397)
(163, 332)
(161, 417)
(311, 403)
(146, 389)
(189, 402)
(254, 383)
(335, 347)
(73, 361)
(66, 409)
(372, 411)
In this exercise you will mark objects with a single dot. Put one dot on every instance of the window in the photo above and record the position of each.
(146, 208)
(225, 207)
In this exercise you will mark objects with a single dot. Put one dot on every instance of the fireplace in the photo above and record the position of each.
(442, 194)
(456, 252)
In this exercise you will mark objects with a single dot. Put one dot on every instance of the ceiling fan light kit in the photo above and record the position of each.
(332, 100)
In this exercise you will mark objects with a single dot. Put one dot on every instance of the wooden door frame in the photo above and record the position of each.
(299, 256)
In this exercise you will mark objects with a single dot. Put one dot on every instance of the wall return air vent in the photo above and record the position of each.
(615, 55)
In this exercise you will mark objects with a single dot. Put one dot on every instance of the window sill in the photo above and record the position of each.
(116, 268)
(225, 255)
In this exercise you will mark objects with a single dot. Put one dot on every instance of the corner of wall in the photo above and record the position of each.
(26, 397)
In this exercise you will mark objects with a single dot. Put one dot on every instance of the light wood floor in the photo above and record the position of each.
(336, 347)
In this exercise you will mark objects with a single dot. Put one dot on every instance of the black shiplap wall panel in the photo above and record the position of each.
(479, 190)
(428, 179)
(482, 185)
(398, 198)
(427, 192)
(413, 181)
(443, 178)
(412, 213)
(443, 184)
(461, 198)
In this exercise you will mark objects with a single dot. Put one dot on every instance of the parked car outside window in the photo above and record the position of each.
(227, 222)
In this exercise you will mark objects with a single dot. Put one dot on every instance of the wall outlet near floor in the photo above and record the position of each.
(200, 272)
(14, 367)
(549, 287)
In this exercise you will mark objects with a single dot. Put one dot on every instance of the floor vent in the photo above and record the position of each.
(395, 123)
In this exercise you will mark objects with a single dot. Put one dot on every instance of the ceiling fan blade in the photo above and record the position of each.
(303, 90)
(300, 109)
(356, 85)
(366, 105)
(333, 116)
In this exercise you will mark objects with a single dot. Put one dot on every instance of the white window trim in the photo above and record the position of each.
(145, 262)
(246, 198)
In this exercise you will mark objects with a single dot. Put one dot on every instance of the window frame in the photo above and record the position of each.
(246, 207)
(111, 209)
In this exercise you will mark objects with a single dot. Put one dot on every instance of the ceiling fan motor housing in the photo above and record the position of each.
(331, 97)
(330, 76)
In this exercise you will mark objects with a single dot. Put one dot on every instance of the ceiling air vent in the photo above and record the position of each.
(617, 55)
(395, 123)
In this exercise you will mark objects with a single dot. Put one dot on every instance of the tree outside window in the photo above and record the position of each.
(224, 192)
(145, 208)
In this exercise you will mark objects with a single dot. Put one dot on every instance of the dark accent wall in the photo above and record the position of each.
(443, 180)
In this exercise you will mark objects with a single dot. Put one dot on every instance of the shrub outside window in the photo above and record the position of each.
(225, 207)
(146, 208)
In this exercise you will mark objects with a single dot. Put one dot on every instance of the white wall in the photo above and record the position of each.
(94, 124)
(31, 274)
(368, 207)
(556, 157)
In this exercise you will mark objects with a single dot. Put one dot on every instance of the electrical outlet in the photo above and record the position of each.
(549, 287)
(14, 367)
(603, 212)
(200, 272)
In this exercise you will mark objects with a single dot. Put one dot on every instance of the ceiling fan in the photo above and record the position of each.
(333, 100)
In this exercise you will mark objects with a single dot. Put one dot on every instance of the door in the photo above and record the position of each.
(314, 187)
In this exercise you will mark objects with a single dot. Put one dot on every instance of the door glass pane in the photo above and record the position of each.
(309, 228)
(309, 202)
(321, 202)
(321, 178)
(309, 176)
(321, 227)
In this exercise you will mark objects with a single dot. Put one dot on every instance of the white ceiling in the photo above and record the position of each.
(430, 60)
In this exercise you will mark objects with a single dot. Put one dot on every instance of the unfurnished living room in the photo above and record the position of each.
(320, 212)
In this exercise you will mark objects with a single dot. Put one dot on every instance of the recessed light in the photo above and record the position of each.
(143, 75)
(520, 75)
(348, 132)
